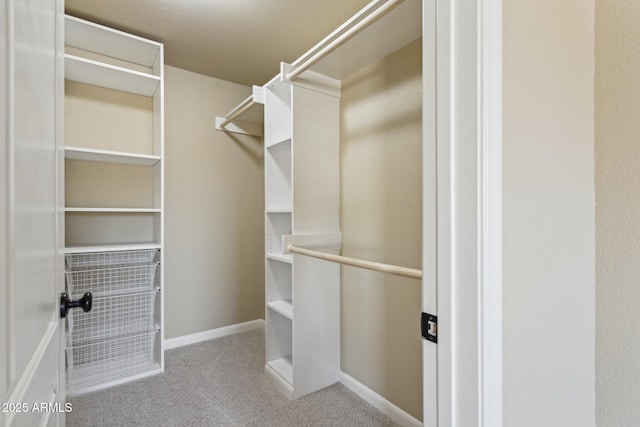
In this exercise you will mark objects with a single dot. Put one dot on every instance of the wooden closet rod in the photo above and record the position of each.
(236, 112)
(369, 265)
(333, 45)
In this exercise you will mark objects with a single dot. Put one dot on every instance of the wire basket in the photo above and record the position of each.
(83, 261)
(111, 317)
(112, 280)
(104, 361)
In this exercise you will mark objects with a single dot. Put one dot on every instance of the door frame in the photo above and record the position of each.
(468, 152)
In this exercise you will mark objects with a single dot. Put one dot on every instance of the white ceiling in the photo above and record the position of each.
(242, 41)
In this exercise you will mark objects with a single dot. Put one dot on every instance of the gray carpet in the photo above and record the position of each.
(219, 383)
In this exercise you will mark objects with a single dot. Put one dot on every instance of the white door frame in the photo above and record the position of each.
(469, 213)
(490, 221)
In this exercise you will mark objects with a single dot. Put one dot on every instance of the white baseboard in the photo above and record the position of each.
(396, 414)
(213, 333)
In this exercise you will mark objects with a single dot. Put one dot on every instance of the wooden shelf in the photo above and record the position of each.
(114, 210)
(77, 249)
(283, 367)
(283, 307)
(107, 41)
(88, 154)
(95, 73)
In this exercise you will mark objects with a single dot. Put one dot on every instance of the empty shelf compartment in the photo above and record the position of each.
(284, 368)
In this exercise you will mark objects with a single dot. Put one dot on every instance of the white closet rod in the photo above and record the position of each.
(334, 44)
(238, 111)
(369, 265)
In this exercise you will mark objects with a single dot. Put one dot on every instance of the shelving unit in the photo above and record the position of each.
(302, 201)
(301, 197)
(114, 251)
(302, 188)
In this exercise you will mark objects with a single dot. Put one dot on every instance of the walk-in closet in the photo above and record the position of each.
(264, 213)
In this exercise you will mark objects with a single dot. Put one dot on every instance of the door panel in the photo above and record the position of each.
(30, 147)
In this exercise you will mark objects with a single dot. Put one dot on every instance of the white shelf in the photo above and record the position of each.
(89, 154)
(110, 347)
(77, 249)
(278, 211)
(276, 143)
(96, 73)
(283, 307)
(281, 257)
(283, 367)
(114, 210)
(107, 41)
(396, 29)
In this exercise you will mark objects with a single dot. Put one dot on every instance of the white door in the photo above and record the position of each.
(31, 263)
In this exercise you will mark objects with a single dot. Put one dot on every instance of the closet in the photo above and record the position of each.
(302, 193)
(113, 205)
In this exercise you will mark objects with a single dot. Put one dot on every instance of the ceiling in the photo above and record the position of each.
(241, 41)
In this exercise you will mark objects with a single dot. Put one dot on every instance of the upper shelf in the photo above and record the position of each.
(381, 28)
(107, 41)
(252, 112)
(109, 76)
(89, 154)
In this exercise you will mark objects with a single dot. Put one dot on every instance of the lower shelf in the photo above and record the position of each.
(105, 361)
(283, 367)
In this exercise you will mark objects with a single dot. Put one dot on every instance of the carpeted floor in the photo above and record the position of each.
(219, 383)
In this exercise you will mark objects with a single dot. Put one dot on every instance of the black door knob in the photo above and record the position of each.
(86, 302)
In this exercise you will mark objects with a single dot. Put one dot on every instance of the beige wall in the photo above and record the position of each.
(101, 119)
(618, 212)
(214, 191)
(381, 167)
(548, 213)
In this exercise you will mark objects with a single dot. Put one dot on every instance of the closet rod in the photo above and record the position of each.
(333, 45)
(238, 111)
(369, 265)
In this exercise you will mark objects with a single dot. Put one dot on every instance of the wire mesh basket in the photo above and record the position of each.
(111, 280)
(104, 361)
(117, 338)
(111, 317)
(83, 261)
